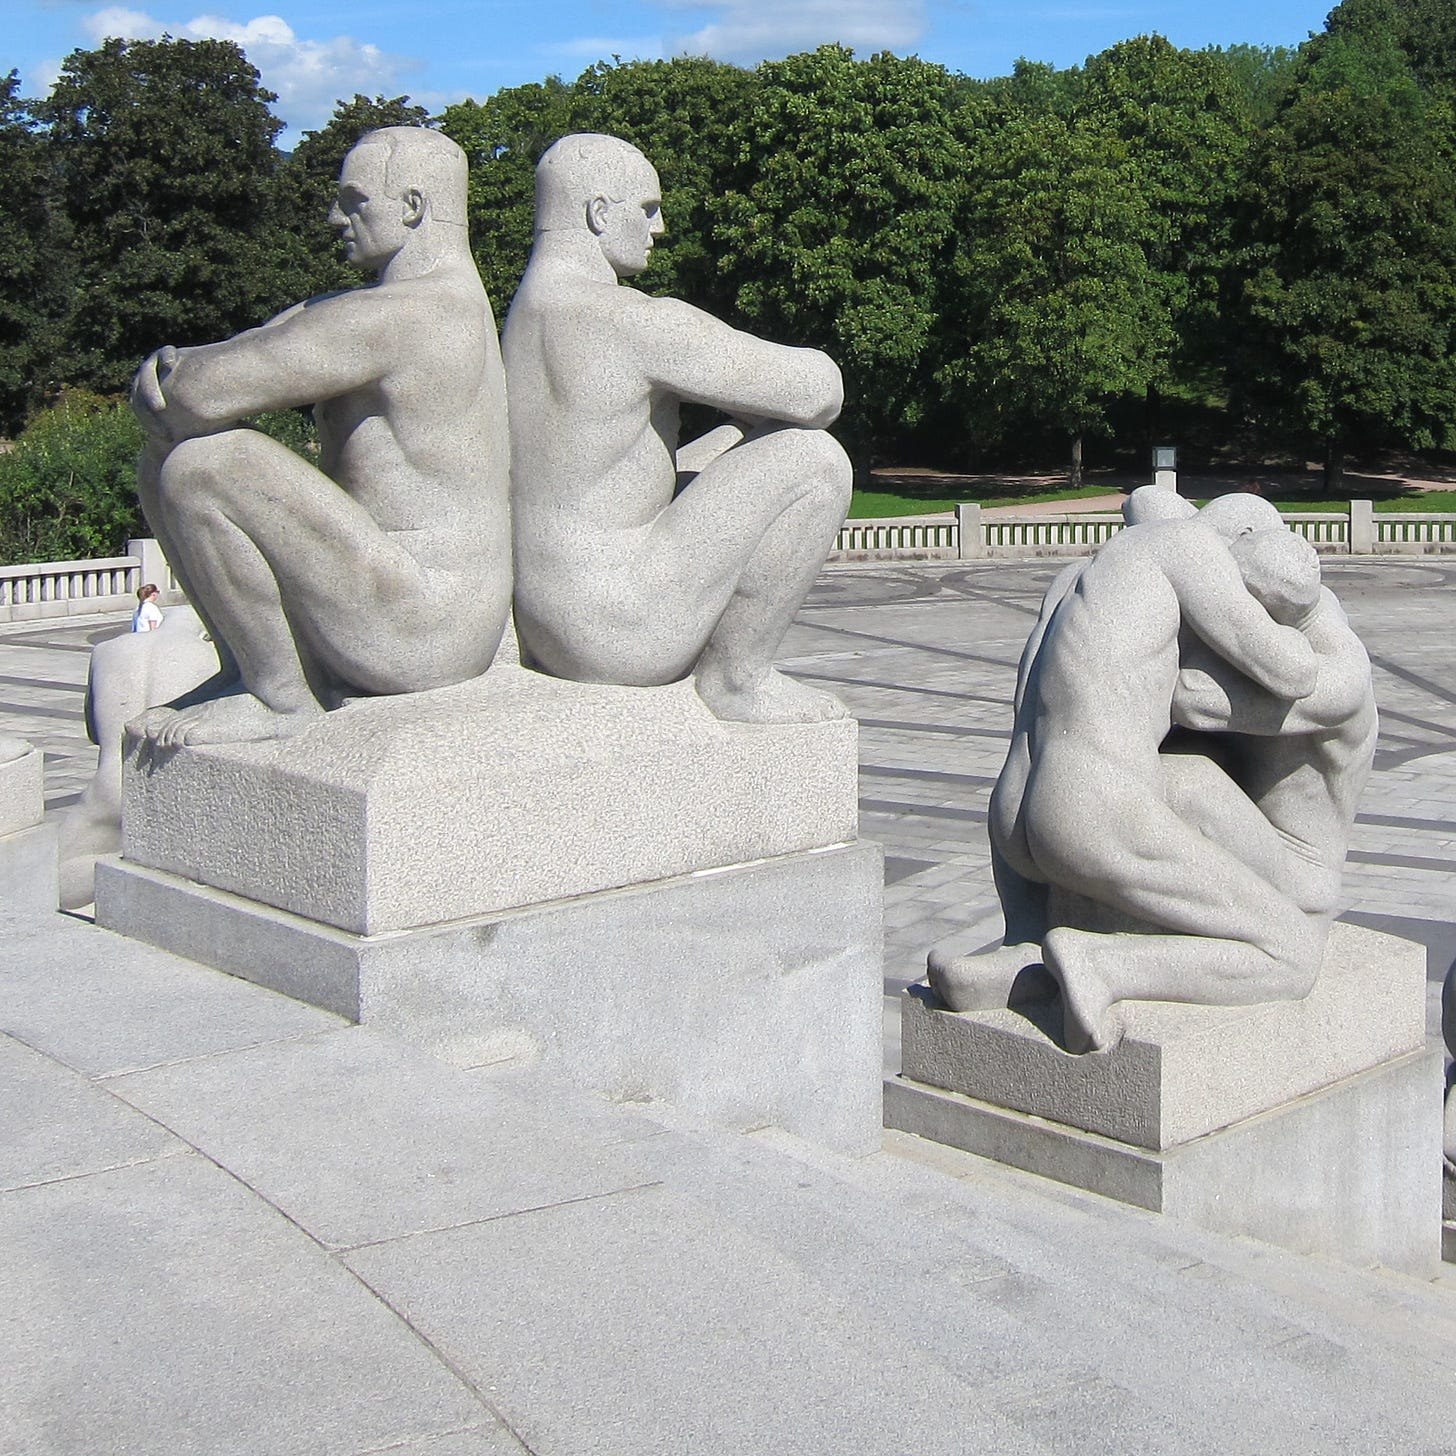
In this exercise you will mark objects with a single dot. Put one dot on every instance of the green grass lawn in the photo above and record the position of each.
(870, 504)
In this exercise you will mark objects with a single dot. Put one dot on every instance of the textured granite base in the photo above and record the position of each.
(515, 789)
(22, 791)
(1346, 1173)
(1180, 1071)
(28, 869)
(1313, 1124)
(750, 996)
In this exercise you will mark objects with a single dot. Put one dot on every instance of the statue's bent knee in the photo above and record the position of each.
(207, 460)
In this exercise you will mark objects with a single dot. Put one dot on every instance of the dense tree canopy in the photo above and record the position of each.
(33, 260)
(1002, 266)
(1348, 296)
(163, 155)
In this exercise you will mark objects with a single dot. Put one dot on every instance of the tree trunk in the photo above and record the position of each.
(1154, 416)
(1076, 472)
(1334, 467)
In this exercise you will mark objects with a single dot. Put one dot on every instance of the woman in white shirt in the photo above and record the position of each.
(148, 615)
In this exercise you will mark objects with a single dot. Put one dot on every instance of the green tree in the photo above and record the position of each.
(504, 137)
(164, 157)
(1033, 87)
(1187, 131)
(1261, 75)
(68, 487)
(1063, 310)
(678, 114)
(34, 271)
(1348, 295)
(1426, 31)
(842, 227)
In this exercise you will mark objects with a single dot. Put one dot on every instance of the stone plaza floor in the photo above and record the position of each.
(925, 657)
(234, 1225)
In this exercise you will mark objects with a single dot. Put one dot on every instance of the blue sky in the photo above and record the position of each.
(439, 51)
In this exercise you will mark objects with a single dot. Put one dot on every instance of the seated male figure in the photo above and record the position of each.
(385, 568)
(638, 562)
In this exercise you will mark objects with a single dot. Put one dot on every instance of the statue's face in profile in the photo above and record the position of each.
(371, 223)
(627, 228)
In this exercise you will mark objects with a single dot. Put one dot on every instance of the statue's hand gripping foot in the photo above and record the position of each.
(1087, 1021)
(771, 698)
(238, 717)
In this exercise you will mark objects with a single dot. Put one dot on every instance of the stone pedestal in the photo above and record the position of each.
(610, 881)
(27, 846)
(1314, 1125)
(507, 791)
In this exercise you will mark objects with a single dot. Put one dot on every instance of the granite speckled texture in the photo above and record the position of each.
(640, 558)
(22, 775)
(383, 565)
(1194, 724)
(749, 996)
(1181, 1071)
(507, 791)
(1346, 1172)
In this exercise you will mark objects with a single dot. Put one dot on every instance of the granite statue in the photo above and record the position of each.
(1193, 725)
(383, 568)
(127, 675)
(639, 560)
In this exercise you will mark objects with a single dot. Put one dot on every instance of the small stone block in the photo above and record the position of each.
(507, 791)
(22, 791)
(1347, 1172)
(1180, 1071)
(750, 996)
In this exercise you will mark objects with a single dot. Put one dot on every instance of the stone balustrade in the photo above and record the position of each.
(77, 588)
(108, 584)
(975, 535)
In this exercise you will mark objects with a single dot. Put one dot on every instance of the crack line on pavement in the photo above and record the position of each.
(95, 1172)
(455, 1369)
(449, 1228)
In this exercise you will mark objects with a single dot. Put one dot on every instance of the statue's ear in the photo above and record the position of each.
(596, 214)
(414, 207)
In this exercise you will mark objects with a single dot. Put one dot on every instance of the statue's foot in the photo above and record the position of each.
(237, 718)
(1087, 1022)
(772, 698)
(1006, 976)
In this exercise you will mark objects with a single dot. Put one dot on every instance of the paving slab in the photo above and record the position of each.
(59, 1125)
(163, 1309)
(143, 1007)
(330, 1130)
(649, 1326)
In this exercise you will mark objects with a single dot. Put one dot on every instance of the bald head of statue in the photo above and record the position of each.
(396, 161)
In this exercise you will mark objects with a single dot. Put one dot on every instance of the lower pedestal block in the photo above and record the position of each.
(749, 995)
(1312, 1124)
(1347, 1172)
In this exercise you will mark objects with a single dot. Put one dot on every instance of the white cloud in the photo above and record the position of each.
(749, 31)
(308, 75)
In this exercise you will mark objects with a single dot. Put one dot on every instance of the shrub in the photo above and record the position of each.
(68, 484)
